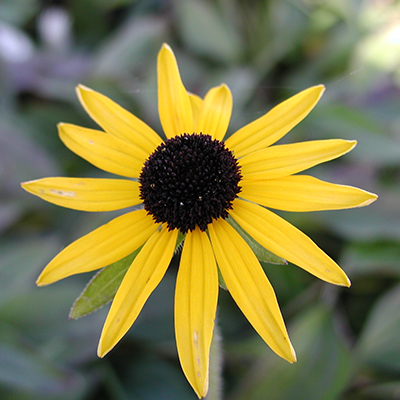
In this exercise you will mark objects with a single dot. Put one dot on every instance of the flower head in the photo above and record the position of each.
(190, 184)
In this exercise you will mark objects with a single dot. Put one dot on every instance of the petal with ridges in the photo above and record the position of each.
(86, 194)
(174, 105)
(105, 245)
(249, 287)
(117, 121)
(196, 298)
(286, 241)
(141, 279)
(288, 159)
(275, 124)
(103, 150)
(197, 105)
(216, 112)
(304, 193)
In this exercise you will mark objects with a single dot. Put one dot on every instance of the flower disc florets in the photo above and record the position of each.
(189, 180)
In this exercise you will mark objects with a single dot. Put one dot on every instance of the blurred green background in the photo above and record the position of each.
(347, 340)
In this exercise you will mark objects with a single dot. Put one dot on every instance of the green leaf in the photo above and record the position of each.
(375, 142)
(221, 280)
(25, 370)
(322, 370)
(205, 30)
(129, 45)
(380, 258)
(261, 252)
(379, 221)
(103, 286)
(18, 12)
(20, 262)
(43, 322)
(379, 344)
(381, 391)
(179, 242)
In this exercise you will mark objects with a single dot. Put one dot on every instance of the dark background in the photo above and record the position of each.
(347, 340)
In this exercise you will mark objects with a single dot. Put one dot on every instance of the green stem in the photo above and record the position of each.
(216, 363)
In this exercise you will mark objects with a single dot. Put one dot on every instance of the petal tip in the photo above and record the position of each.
(201, 390)
(371, 198)
(224, 86)
(40, 282)
(341, 279)
(100, 352)
(61, 127)
(27, 186)
(104, 346)
(346, 282)
(320, 90)
(166, 47)
(81, 90)
(291, 355)
(82, 87)
(354, 143)
(293, 359)
(350, 145)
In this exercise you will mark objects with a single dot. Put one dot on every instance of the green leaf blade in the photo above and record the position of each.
(261, 252)
(102, 287)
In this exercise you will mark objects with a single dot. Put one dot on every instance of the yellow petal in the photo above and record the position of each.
(216, 112)
(275, 124)
(197, 105)
(102, 150)
(304, 193)
(286, 241)
(174, 105)
(287, 159)
(141, 279)
(195, 308)
(117, 121)
(249, 287)
(103, 246)
(86, 194)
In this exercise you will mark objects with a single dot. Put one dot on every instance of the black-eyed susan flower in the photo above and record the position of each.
(190, 184)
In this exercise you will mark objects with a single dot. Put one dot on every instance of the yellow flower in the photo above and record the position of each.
(191, 183)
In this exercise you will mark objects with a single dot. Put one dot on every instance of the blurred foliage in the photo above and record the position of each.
(265, 50)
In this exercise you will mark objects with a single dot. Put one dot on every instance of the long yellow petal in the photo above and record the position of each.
(196, 299)
(174, 105)
(249, 287)
(141, 279)
(86, 194)
(103, 246)
(103, 150)
(117, 121)
(197, 105)
(216, 112)
(304, 193)
(275, 124)
(286, 241)
(287, 159)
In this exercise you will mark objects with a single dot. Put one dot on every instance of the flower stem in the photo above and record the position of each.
(216, 363)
